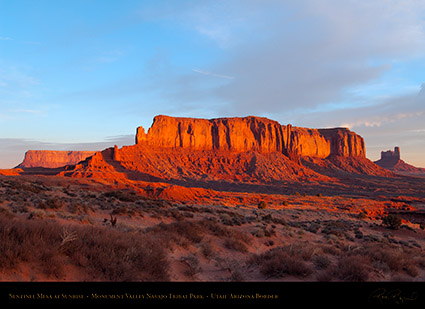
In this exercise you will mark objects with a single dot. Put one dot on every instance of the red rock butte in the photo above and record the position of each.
(250, 134)
(206, 152)
(391, 160)
(53, 158)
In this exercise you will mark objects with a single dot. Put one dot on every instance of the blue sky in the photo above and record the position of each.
(84, 74)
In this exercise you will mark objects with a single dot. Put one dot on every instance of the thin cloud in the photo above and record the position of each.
(208, 73)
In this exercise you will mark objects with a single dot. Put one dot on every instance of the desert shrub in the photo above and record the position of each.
(76, 207)
(321, 261)
(235, 244)
(277, 262)
(313, 227)
(237, 276)
(51, 203)
(120, 210)
(384, 255)
(181, 233)
(188, 208)
(391, 221)
(6, 213)
(207, 249)
(192, 263)
(396, 259)
(105, 254)
(337, 228)
(262, 205)
(301, 250)
(124, 196)
(219, 230)
(332, 250)
(118, 256)
(353, 268)
(361, 216)
(226, 219)
(326, 275)
(28, 241)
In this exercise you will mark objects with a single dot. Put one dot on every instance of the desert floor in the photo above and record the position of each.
(62, 229)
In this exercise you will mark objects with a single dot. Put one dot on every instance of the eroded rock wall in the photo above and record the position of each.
(250, 134)
(53, 158)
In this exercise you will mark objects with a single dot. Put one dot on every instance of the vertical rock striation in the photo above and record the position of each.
(250, 134)
(53, 158)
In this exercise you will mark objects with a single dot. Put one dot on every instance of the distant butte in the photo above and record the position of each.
(254, 150)
(391, 160)
(53, 158)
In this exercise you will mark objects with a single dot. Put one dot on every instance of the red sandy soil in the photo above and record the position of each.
(232, 199)
(244, 243)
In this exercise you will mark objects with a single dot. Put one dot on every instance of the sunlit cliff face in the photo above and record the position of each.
(250, 133)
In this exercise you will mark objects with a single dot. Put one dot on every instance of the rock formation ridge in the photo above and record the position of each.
(250, 134)
(391, 160)
(244, 150)
(53, 158)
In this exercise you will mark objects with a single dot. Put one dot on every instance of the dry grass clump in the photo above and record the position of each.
(181, 233)
(184, 233)
(106, 255)
(390, 258)
(353, 268)
(117, 256)
(235, 244)
(278, 262)
(122, 195)
(219, 230)
(29, 241)
(51, 203)
(369, 262)
(192, 265)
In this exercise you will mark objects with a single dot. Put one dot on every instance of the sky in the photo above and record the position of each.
(84, 74)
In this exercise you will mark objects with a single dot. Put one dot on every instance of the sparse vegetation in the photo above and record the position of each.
(192, 264)
(392, 221)
(120, 236)
(124, 196)
(277, 262)
(361, 216)
(105, 254)
(353, 268)
(262, 205)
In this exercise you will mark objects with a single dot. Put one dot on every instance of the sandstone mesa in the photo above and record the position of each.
(250, 133)
(53, 158)
(391, 160)
(240, 149)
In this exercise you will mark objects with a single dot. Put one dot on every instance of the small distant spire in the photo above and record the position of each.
(397, 152)
(116, 153)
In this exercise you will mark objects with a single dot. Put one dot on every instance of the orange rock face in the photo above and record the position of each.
(238, 151)
(250, 134)
(53, 159)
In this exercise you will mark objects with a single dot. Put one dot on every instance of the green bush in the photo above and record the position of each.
(361, 216)
(392, 221)
(262, 205)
